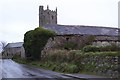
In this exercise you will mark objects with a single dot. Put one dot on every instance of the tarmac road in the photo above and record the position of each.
(12, 70)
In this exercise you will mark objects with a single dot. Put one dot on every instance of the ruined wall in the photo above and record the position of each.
(59, 42)
(78, 41)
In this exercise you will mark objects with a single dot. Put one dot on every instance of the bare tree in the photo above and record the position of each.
(3, 44)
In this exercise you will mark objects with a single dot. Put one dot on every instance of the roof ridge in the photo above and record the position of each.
(82, 29)
(87, 26)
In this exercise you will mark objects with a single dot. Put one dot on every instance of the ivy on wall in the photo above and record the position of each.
(34, 42)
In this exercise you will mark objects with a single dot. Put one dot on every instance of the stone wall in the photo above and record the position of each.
(106, 40)
(58, 42)
(10, 52)
(102, 65)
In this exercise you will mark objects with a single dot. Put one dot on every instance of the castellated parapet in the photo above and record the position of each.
(47, 16)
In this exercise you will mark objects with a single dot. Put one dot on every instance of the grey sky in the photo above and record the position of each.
(19, 16)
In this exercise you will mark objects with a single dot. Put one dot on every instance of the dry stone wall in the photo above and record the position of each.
(102, 65)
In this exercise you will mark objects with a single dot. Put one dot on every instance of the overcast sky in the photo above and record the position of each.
(19, 16)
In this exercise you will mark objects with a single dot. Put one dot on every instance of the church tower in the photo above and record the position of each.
(47, 16)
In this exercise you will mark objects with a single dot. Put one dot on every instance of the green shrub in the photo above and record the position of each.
(17, 58)
(34, 42)
(72, 68)
(112, 47)
(108, 48)
(90, 48)
(89, 40)
(69, 45)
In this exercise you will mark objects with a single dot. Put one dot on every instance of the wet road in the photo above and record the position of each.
(11, 69)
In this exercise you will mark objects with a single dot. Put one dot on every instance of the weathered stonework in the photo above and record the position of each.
(97, 63)
(106, 40)
(78, 36)
(58, 42)
(12, 49)
(103, 65)
(47, 16)
(74, 35)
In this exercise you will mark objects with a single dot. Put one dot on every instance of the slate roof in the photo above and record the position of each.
(13, 45)
(82, 30)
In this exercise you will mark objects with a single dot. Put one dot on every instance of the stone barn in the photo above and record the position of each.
(12, 49)
(78, 36)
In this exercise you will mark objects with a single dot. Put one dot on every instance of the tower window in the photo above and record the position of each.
(52, 17)
(48, 13)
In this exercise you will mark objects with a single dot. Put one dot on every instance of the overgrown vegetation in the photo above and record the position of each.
(70, 45)
(69, 60)
(89, 40)
(91, 48)
(19, 60)
(75, 61)
(34, 42)
(108, 48)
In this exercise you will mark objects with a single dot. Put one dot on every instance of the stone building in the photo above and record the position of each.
(47, 16)
(77, 35)
(12, 49)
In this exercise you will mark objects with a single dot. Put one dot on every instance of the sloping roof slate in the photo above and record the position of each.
(82, 30)
(13, 45)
